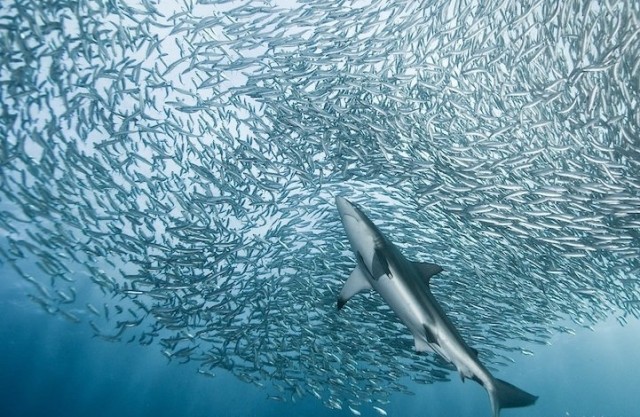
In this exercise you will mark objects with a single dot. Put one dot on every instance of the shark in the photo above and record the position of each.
(404, 286)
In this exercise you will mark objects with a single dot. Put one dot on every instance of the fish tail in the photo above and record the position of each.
(505, 395)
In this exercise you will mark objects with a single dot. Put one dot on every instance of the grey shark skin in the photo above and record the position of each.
(404, 286)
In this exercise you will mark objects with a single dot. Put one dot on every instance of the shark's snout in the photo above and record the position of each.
(346, 208)
(342, 203)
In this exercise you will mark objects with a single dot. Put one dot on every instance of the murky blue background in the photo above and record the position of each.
(52, 367)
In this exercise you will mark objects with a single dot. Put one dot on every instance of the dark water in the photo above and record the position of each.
(52, 367)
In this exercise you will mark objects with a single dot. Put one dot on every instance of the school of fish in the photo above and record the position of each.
(168, 173)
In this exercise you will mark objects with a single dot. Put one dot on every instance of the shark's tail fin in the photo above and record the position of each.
(505, 395)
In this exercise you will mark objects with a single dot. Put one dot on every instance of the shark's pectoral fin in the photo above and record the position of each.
(357, 282)
(427, 270)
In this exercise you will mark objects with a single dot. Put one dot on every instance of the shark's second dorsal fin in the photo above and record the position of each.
(357, 282)
(428, 269)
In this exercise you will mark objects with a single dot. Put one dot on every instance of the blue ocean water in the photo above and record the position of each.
(169, 237)
(52, 367)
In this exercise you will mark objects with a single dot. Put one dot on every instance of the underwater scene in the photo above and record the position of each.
(319, 208)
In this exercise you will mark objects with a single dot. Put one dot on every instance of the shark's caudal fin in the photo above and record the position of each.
(505, 395)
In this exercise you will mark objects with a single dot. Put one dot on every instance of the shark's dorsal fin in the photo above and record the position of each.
(427, 270)
(380, 265)
(474, 350)
(357, 282)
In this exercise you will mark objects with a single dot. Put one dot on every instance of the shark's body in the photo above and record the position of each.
(404, 286)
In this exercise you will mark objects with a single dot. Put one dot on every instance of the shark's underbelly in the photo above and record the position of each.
(425, 320)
